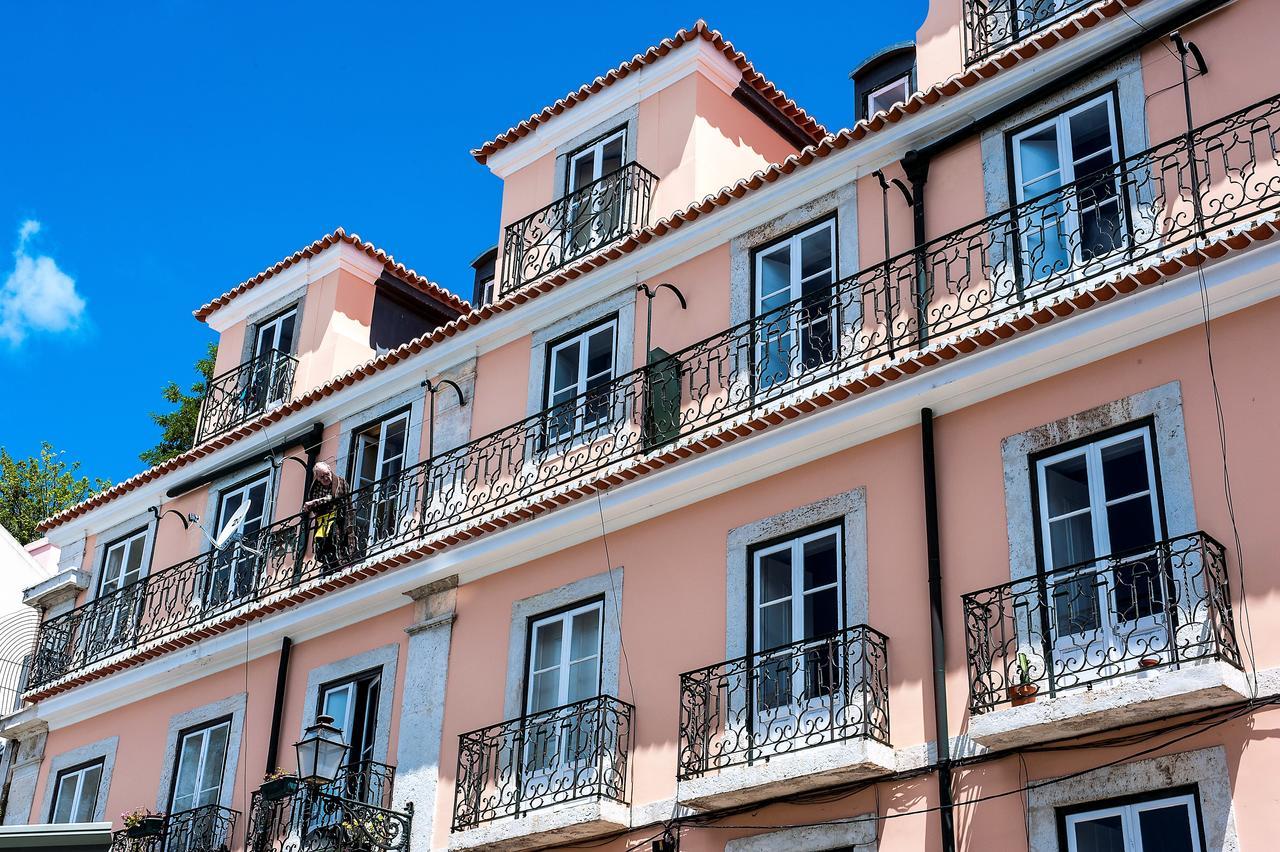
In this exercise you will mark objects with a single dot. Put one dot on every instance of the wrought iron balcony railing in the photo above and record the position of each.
(1202, 183)
(205, 829)
(241, 394)
(575, 752)
(1155, 607)
(784, 700)
(353, 813)
(605, 210)
(992, 25)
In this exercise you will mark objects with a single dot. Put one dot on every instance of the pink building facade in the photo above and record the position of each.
(898, 487)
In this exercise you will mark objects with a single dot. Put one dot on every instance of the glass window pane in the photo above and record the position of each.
(821, 561)
(584, 680)
(1124, 468)
(564, 367)
(815, 253)
(286, 333)
(600, 352)
(133, 562)
(90, 779)
(1038, 158)
(1167, 829)
(215, 755)
(1067, 484)
(546, 691)
(547, 639)
(821, 612)
(774, 285)
(775, 625)
(1075, 604)
(1140, 590)
(585, 639)
(66, 796)
(1104, 834)
(111, 572)
(1090, 133)
(611, 157)
(775, 576)
(393, 443)
(1131, 524)
(337, 703)
(583, 171)
(367, 450)
(1071, 540)
(184, 788)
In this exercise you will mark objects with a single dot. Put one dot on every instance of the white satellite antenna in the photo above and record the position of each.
(233, 525)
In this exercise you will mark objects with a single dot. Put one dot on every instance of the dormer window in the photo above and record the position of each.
(597, 159)
(883, 97)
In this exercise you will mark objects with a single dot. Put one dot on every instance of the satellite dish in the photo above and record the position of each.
(233, 525)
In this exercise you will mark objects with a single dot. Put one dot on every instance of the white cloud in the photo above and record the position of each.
(37, 295)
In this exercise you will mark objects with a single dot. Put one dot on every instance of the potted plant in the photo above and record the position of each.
(141, 822)
(1024, 692)
(277, 785)
(1149, 662)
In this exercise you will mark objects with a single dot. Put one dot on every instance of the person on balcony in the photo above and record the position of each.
(328, 502)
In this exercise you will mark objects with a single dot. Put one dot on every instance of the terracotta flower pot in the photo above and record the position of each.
(1023, 693)
(1149, 662)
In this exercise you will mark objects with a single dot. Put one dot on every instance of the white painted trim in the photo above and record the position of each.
(1234, 283)
(703, 59)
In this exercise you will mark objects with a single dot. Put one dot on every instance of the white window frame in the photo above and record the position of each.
(1066, 169)
(596, 151)
(901, 84)
(395, 493)
(794, 314)
(566, 660)
(79, 773)
(275, 325)
(363, 443)
(243, 489)
(798, 593)
(1129, 821)
(203, 756)
(580, 423)
(127, 543)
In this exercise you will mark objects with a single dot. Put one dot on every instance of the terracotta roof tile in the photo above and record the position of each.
(805, 123)
(399, 270)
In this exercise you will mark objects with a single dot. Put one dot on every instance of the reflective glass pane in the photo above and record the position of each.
(1067, 485)
(564, 367)
(184, 787)
(1075, 604)
(1071, 540)
(774, 285)
(583, 170)
(285, 338)
(393, 444)
(89, 781)
(215, 754)
(111, 571)
(1166, 829)
(1131, 524)
(584, 680)
(546, 690)
(1139, 591)
(63, 810)
(133, 562)
(821, 612)
(547, 639)
(821, 561)
(585, 638)
(1104, 834)
(775, 625)
(611, 157)
(600, 352)
(1124, 468)
(815, 253)
(1038, 158)
(1090, 136)
(775, 575)
(337, 703)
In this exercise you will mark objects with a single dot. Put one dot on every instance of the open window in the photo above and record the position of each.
(353, 704)
(382, 498)
(75, 793)
(794, 304)
(1069, 193)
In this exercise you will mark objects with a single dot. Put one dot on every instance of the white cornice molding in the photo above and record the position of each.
(1234, 283)
(340, 255)
(696, 57)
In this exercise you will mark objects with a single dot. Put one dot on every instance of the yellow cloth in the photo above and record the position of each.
(324, 524)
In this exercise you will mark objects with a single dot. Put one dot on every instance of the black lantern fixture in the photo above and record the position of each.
(320, 752)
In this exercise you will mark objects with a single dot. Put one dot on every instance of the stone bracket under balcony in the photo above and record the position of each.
(570, 822)
(794, 772)
(1141, 696)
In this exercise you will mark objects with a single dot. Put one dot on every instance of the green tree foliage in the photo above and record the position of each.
(34, 488)
(178, 427)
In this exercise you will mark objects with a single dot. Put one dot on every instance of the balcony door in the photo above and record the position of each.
(234, 567)
(1071, 209)
(1097, 500)
(353, 704)
(580, 370)
(797, 671)
(274, 340)
(564, 667)
(795, 311)
(197, 783)
(378, 459)
(115, 619)
(594, 211)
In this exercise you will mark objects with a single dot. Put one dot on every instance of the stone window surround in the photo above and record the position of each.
(386, 659)
(111, 535)
(413, 399)
(606, 585)
(843, 202)
(1163, 404)
(628, 118)
(104, 750)
(1206, 768)
(1123, 77)
(295, 299)
(849, 508)
(622, 303)
(233, 706)
(858, 833)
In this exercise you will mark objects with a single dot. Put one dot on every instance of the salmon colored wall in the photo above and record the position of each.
(502, 387)
(335, 328)
(230, 349)
(954, 193)
(940, 43)
(666, 145)
(704, 281)
(142, 726)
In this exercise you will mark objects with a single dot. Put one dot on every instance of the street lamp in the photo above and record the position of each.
(320, 752)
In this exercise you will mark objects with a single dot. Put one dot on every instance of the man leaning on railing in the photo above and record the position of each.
(328, 502)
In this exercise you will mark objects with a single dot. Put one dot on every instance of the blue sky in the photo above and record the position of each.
(155, 154)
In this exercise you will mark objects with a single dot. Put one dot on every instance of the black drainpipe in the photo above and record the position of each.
(915, 166)
(277, 711)
(945, 803)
